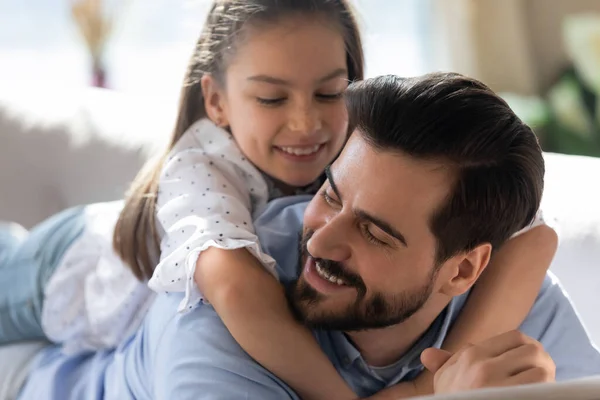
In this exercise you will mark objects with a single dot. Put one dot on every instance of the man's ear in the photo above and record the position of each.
(466, 268)
(214, 100)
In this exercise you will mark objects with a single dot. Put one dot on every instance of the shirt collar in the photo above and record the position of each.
(275, 192)
(348, 354)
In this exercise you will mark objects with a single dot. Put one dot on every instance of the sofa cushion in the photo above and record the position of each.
(572, 196)
(62, 148)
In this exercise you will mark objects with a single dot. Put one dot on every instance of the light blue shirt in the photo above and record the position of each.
(193, 356)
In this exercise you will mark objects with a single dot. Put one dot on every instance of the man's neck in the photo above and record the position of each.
(382, 347)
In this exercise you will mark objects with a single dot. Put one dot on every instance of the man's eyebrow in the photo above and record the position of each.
(381, 224)
(332, 182)
(278, 81)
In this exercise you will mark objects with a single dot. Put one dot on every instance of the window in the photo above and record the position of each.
(395, 36)
(152, 41)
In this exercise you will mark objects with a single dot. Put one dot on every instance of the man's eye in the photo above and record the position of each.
(370, 237)
(330, 200)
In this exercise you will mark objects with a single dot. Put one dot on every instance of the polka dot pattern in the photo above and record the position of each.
(222, 189)
(93, 301)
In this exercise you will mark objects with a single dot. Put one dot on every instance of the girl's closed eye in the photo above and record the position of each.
(330, 97)
(332, 92)
(324, 97)
(270, 101)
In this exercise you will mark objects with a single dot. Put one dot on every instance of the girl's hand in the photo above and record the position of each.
(509, 359)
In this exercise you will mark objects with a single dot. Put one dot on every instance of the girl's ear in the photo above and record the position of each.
(214, 99)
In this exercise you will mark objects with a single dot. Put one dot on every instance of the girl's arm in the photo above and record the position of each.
(253, 307)
(503, 295)
(207, 192)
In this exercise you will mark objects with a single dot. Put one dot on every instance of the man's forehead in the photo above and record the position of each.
(379, 167)
(390, 183)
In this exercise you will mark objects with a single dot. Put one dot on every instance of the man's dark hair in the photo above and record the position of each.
(496, 158)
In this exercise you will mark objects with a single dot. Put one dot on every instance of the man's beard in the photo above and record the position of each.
(373, 312)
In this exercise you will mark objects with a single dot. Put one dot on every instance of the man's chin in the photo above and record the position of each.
(342, 312)
(314, 309)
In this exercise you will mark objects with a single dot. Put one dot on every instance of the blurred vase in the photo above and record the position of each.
(99, 75)
(95, 21)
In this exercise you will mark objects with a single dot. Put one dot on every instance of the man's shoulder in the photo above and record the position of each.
(194, 355)
(554, 322)
(278, 228)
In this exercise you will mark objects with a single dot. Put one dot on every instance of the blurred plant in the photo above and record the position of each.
(567, 116)
(531, 109)
(96, 24)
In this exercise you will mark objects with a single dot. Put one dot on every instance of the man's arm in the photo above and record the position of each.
(196, 358)
(555, 323)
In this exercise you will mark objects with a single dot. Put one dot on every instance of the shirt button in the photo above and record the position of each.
(346, 361)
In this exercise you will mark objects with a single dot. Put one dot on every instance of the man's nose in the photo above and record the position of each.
(331, 240)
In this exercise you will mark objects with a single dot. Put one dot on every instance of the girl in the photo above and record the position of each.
(261, 116)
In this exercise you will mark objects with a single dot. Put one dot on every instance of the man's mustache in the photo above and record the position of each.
(333, 267)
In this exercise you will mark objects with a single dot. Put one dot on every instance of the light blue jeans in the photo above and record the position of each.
(26, 264)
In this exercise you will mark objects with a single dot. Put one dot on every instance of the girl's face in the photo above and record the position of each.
(283, 98)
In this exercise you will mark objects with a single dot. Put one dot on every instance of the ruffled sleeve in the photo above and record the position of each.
(207, 192)
(540, 219)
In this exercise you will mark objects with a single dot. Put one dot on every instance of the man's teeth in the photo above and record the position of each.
(327, 276)
(301, 151)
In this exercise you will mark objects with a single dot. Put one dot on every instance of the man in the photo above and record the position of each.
(438, 172)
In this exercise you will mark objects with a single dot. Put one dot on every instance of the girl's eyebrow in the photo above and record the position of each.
(278, 81)
(335, 74)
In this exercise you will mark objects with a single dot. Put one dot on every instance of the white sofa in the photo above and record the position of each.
(60, 148)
